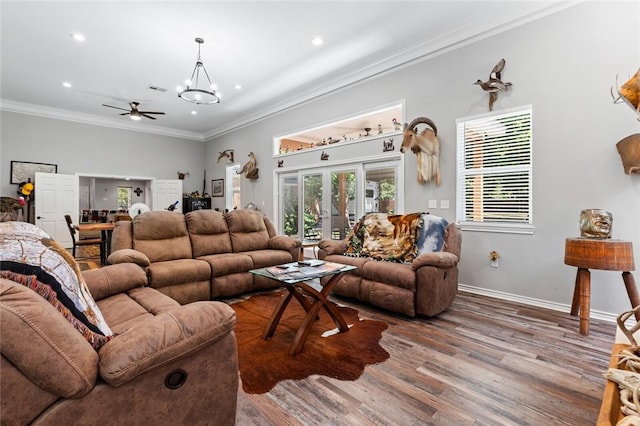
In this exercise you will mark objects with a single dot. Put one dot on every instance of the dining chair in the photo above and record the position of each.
(78, 241)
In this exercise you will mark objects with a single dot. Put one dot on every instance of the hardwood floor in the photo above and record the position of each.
(482, 362)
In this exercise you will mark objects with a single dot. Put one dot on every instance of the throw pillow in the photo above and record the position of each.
(28, 250)
(432, 233)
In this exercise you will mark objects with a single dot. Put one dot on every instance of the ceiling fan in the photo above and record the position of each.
(134, 113)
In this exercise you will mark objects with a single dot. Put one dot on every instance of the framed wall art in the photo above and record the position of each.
(22, 171)
(217, 187)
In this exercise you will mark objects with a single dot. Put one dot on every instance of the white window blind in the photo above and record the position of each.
(495, 172)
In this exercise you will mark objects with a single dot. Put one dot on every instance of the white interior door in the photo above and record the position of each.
(55, 196)
(166, 192)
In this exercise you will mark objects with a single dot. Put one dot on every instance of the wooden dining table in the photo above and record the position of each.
(106, 230)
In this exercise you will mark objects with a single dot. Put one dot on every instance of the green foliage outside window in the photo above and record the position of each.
(123, 196)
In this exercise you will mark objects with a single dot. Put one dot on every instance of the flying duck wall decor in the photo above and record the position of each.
(494, 84)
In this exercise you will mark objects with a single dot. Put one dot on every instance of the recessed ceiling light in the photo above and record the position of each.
(78, 37)
(194, 112)
(237, 87)
(317, 41)
(66, 84)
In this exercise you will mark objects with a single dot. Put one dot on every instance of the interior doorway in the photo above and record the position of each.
(99, 195)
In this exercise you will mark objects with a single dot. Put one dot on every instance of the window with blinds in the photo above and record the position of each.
(495, 172)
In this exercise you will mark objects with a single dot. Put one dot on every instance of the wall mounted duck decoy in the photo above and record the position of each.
(494, 84)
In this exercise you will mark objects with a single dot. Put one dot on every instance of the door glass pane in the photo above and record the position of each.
(343, 203)
(289, 191)
(312, 203)
(380, 190)
(232, 200)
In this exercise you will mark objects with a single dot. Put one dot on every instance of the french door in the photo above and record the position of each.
(325, 203)
(329, 202)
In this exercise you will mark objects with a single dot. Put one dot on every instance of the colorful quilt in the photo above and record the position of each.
(396, 238)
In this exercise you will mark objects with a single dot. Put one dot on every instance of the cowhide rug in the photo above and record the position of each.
(263, 363)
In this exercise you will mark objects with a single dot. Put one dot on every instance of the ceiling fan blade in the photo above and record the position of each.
(150, 112)
(148, 116)
(111, 106)
(124, 113)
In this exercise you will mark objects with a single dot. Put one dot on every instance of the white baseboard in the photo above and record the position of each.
(595, 314)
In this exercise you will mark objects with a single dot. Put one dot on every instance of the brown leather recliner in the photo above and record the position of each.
(166, 364)
(426, 286)
(205, 254)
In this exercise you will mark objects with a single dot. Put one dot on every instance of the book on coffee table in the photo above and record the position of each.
(297, 270)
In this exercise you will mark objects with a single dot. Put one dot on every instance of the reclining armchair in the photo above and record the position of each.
(165, 364)
(425, 285)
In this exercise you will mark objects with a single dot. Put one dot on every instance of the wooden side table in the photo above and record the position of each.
(605, 254)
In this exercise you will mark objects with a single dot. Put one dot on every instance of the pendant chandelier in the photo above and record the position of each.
(198, 92)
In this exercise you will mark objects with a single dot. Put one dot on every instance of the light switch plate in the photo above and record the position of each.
(444, 204)
(433, 204)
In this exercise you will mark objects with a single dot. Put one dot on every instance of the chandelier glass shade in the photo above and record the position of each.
(199, 91)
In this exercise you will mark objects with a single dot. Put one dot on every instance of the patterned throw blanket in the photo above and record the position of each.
(28, 256)
(396, 238)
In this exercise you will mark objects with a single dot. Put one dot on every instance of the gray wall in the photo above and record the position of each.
(563, 65)
(106, 193)
(89, 149)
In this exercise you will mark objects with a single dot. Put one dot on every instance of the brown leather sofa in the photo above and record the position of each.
(204, 254)
(426, 286)
(166, 364)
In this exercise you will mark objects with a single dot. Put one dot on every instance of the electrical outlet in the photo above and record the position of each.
(433, 204)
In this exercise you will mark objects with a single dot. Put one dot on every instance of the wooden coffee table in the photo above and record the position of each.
(298, 286)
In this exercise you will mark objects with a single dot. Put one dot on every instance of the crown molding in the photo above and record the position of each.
(430, 49)
(405, 58)
(78, 117)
